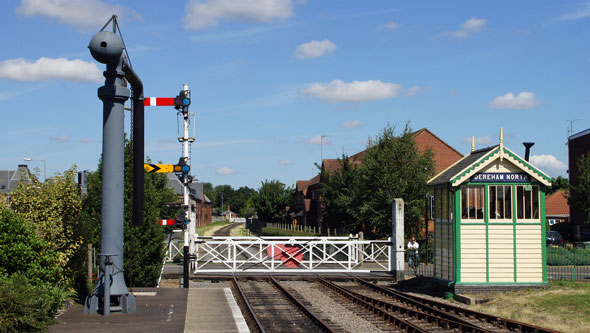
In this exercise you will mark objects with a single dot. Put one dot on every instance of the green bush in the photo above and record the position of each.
(559, 256)
(23, 251)
(28, 307)
(279, 232)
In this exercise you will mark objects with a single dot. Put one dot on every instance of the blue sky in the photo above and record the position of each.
(268, 78)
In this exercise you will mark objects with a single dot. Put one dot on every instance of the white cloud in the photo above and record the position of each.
(225, 171)
(316, 140)
(549, 164)
(48, 68)
(356, 91)
(208, 13)
(85, 140)
(315, 49)
(352, 124)
(82, 13)
(578, 14)
(61, 138)
(470, 27)
(391, 25)
(413, 90)
(482, 140)
(285, 162)
(524, 100)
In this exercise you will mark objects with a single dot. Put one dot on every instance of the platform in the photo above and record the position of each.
(210, 310)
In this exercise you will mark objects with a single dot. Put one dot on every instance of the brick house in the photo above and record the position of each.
(200, 203)
(557, 209)
(307, 204)
(578, 145)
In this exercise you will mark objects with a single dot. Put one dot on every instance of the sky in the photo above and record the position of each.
(278, 84)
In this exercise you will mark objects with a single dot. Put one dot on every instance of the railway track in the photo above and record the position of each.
(226, 230)
(425, 315)
(270, 307)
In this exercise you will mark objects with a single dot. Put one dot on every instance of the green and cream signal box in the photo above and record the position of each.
(489, 217)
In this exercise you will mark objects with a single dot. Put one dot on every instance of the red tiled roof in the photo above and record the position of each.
(556, 203)
(444, 154)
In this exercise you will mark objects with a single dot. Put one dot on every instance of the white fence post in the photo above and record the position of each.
(396, 251)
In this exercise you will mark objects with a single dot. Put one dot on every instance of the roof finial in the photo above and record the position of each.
(473, 143)
(501, 143)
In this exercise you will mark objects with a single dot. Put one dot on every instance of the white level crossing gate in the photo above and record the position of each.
(290, 254)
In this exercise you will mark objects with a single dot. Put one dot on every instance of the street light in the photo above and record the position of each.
(44, 165)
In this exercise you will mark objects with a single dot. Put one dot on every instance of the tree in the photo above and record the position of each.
(580, 194)
(224, 195)
(23, 251)
(53, 209)
(558, 183)
(339, 194)
(392, 168)
(144, 248)
(271, 200)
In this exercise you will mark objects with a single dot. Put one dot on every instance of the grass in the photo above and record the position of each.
(563, 307)
(280, 232)
(210, 228)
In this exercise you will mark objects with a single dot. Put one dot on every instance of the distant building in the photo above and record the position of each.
(9, 179)
(307, 207)
(578, 146)
(557, 209)
(200, 203)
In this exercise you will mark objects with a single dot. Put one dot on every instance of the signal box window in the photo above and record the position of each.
(527, 202)
(472, 202)
(500, 197)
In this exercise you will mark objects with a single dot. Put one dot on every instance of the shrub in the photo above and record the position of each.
(28, 307)
(558, 256)
(22, 251)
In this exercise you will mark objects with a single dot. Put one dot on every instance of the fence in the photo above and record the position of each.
(572, 264)
(290, 254)
(302, 228)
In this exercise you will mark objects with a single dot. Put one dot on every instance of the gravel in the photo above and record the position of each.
(329, 308)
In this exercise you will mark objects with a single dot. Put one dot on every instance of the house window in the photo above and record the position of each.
(527, 202)
(472, 202)
(500, 202)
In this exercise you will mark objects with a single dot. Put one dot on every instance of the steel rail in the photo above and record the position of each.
(454, 320)
(509, 324)
(308, 313)
(440, 318)
(250, 312)
(396, 321)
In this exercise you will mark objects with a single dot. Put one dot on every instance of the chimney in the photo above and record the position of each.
(527, 149)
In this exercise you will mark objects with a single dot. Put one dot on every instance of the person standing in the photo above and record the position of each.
(413, 259)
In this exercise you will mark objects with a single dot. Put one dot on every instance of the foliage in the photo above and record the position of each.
(339, 193)
(392, 168)
(143, 249)
(27, 306)
(558, 183)
(23, 251)
(559, 256)
(53, 208)
(238, 200)
(580, 194)
(271, 200)
(266, 231)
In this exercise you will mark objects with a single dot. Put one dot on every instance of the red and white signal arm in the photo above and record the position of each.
(158, 101)
(167, 222)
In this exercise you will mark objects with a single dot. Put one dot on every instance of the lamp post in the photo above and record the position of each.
(44, 165)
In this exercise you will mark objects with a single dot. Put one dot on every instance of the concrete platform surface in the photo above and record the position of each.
(213, 310)
(209, 310)
(164, 312)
